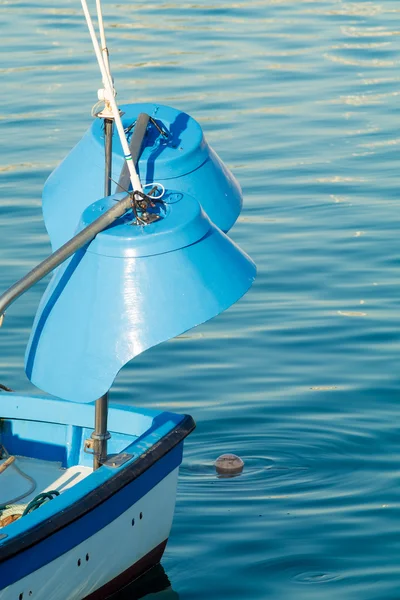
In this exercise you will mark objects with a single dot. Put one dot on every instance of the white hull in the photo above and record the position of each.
(107, 554)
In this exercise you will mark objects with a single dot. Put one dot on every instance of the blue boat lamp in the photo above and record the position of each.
(135, 268)
(132, 288)
(174, 152)
(146, 262)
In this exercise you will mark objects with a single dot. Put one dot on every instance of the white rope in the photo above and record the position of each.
(104, 48)
(136, 185)
(156, 185)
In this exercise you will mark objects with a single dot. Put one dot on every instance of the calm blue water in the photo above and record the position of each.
(300, 378)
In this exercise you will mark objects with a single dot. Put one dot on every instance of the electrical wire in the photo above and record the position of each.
(24, 475)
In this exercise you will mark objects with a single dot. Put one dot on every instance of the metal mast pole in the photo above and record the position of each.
(108, 133)
(100, 434)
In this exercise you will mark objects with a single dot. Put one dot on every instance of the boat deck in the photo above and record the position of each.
(47, 476)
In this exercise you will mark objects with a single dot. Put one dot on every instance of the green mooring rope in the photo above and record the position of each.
(39, 500)
(26, 509)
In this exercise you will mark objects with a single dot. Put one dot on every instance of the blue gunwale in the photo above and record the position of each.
(164, 431)
(29, 558)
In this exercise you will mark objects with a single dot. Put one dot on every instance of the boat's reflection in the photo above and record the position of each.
(153, 585)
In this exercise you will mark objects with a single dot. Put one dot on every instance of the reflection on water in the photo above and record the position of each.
(154, 585)
(300, 378)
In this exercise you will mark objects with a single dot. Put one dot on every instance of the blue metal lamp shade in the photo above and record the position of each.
(133, 287)
(179, 158)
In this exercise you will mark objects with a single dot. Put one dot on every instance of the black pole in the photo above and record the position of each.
(135, 147)
(100, 434)
(108, 133)
(59, 256)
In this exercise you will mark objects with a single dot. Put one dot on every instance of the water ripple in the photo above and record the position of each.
(300, 99)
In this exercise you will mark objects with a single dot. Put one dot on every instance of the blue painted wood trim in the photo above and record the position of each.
(127, 419)
(155, 428)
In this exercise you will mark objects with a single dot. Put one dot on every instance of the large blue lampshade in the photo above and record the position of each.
(133, 287)
(181, 160)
